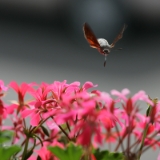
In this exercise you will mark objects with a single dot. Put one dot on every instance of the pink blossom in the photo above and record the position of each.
(88, 85)
(17, 127)
(141, 95)
(122, 95)
(21, 91)
(2, 86)
(47, 99)
(39, 105)
(158, 158)
(45, 154)
(3, 110)
(60, 88)
(86, 118)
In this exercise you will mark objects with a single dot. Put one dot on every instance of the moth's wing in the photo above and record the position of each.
(119, 36)
(90, 36)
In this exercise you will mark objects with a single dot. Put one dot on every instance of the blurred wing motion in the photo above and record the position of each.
(90, 37)
(119, 36)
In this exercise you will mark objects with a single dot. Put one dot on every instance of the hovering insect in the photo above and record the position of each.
(101, 44)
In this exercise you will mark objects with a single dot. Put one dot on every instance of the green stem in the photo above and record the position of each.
(142, 144)
(119, 139)
(25, 148)
(68, 126)
(144, 135)
(69, 139)
(64, 132)
(152, 144)
(129, 134)
(40, 124)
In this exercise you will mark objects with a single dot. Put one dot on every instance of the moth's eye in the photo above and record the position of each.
(106, 51)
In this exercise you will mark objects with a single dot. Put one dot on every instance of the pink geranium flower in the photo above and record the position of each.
(87, 85)
(60, 112)
(44, 153)
(60, 88)
(17, 127)
(3, 112)
(40, 105)
(84, 130)
(47, 98)
(2, 86)
(21, 91)
(158, 158)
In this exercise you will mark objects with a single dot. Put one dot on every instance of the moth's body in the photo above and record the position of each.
(105, 46)
(100, 44)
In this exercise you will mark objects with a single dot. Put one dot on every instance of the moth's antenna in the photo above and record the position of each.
(105, 59)
(119, 48)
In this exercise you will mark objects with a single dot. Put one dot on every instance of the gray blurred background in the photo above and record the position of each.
(43, 41)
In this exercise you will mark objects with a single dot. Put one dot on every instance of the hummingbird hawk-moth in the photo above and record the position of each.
(101, 44)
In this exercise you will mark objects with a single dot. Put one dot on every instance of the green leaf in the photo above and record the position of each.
(28, 154)
(8, 152)
(39, 158)
(30, 151)
(148, 111)
(106, 155)
(116, 156)
(100, 154)
(45, 131)
(5, 136)
(63, 140)
(72, 152)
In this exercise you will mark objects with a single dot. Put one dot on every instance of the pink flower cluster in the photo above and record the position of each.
(59, 110)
